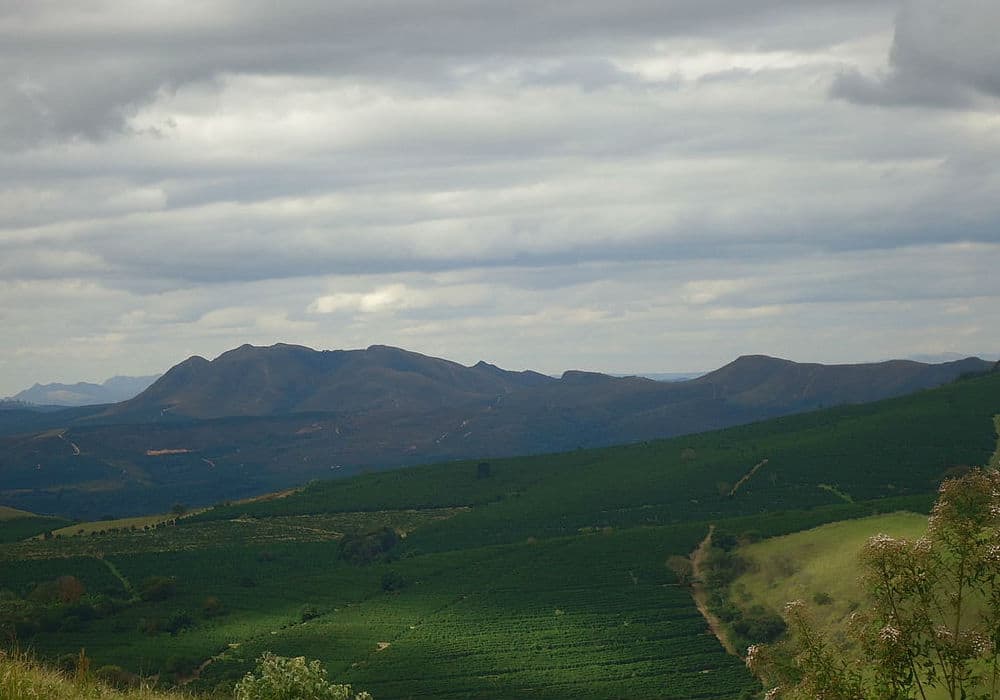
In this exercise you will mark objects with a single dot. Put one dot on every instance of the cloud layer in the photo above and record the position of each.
(639, 186)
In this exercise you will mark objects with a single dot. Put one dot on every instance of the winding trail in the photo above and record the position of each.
(700, 593)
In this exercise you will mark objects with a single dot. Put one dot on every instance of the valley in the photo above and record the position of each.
(541, 576)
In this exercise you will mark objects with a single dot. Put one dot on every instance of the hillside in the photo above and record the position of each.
(537, 576)
(821, 564)
(260, 419)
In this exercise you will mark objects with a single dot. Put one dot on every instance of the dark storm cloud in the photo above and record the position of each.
(944, 54)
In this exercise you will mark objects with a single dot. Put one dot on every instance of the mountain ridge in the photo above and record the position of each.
(258, 419)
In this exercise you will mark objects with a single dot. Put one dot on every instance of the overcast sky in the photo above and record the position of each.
(639, 185)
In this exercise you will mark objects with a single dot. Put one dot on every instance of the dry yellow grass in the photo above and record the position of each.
(22, 678)
(117, 524)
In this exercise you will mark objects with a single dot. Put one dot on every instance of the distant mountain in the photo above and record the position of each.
(281, 379)
(951, 356)
(770, 383)
(84, 393)
(257, 419)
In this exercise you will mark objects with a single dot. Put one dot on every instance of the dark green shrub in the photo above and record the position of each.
(157, 588)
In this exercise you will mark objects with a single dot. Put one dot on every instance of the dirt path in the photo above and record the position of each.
(700, 593)
(746, 478)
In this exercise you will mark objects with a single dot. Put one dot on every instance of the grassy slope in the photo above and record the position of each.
(23, 679)
(823, 560)
(552, 582)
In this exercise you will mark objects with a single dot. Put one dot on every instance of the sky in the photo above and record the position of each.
(636, 186)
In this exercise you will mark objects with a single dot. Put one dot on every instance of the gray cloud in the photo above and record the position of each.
(943, 55)
(80, 70)
(631, 186)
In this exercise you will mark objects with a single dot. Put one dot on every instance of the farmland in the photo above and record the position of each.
(541, 576)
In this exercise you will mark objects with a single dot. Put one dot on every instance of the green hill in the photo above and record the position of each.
(528, 577)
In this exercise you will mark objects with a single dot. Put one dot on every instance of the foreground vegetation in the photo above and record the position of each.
(542, 576)
(930, 625)
(275, 678)
(23, 678)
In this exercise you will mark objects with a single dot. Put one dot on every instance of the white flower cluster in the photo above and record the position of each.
(281, 678)
(883, 543)
(943, 634)
(795, 607)
(890, 635)
(981, 644)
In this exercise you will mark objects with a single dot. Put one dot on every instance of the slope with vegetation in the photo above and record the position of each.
(259, 419)
(928, 628)
(541, 576)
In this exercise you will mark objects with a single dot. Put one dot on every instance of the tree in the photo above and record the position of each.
(934, 620)
(681, 567)
(157, 588)
(281, 678)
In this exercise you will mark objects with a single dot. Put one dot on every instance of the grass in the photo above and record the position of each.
(116, 524)
(822, 567)
(819, 566)
(23, 678)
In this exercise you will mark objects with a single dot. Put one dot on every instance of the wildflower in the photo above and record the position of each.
(890, 635)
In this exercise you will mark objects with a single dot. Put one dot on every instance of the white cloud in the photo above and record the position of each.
(389, 298)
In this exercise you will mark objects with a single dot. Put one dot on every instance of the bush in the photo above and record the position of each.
(178, 621)
(392, 581)
(281, 678)
(212, 607)
(822, 598)
(116, 677)
(367, 547)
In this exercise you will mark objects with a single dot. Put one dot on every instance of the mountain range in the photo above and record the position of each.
(84, 393)
(261, 418)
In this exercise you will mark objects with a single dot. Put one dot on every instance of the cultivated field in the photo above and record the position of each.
(535, 577)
